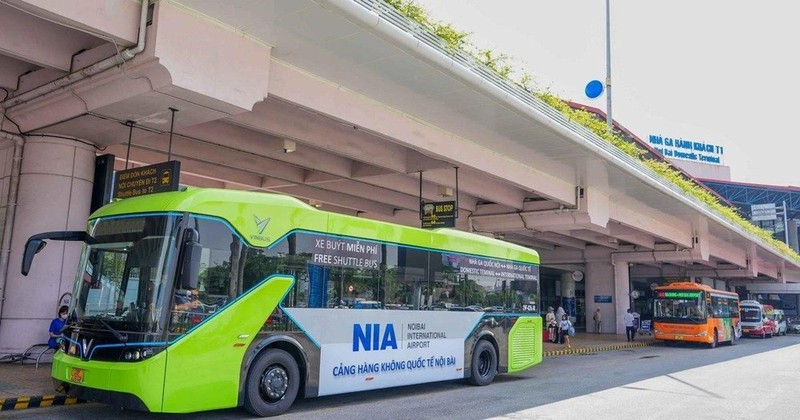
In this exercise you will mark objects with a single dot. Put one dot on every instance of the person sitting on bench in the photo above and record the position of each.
(57, 326)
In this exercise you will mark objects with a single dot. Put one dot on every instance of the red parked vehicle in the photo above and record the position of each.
(756, 320)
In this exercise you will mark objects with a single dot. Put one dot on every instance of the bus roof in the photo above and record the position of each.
(264, 218)
(751, 302)
(684, 285)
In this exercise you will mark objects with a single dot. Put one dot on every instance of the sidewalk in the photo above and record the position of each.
(592, 343)
(25, 386)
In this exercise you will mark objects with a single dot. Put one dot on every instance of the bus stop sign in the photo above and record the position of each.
(161, 177)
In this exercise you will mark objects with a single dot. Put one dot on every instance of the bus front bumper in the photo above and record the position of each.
(753, 331)
(135, 386)
(701, 337)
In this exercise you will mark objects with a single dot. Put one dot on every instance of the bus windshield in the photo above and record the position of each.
(677, 305)
(125, 276)
(751, 314)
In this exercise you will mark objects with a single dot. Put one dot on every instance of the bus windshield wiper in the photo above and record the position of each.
(122, 337)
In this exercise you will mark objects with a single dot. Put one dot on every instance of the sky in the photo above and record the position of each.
(720, 72)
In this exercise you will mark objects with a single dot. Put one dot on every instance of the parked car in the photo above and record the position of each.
(464, 309)
(367, 304)
(793, 325)
(780, 321)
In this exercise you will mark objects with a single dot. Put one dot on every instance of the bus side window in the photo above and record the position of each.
(413, 289)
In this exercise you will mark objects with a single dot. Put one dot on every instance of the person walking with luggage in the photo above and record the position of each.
(597, 321)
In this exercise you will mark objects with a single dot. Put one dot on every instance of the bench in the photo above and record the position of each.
(36, 352)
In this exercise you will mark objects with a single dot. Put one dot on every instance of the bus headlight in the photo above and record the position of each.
(703, 334)
(132, 355)
(138, 354)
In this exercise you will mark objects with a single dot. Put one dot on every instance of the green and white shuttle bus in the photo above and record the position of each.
(204, 299)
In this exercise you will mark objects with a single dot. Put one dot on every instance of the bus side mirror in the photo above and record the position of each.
(190, 260)
(36, 243)
(32, 247)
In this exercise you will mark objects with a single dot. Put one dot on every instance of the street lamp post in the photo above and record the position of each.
(609, 120)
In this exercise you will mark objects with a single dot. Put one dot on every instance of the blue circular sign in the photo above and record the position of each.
(594, 89)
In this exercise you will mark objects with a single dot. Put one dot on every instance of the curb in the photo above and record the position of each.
(583, 350)
(21, 403)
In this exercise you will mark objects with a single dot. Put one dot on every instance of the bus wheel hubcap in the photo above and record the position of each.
(274, 383)
(483, 366)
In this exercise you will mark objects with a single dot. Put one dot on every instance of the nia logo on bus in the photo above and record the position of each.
(369, 337)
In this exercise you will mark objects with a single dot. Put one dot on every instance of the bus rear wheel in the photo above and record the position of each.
(484, 364)
(272, 383)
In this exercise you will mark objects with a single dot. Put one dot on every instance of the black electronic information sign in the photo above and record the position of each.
(438, 214)
(161, 177)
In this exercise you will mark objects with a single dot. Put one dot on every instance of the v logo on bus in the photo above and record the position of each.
(261, 224)
(85, 347)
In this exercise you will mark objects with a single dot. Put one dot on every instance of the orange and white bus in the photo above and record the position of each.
(695, 312)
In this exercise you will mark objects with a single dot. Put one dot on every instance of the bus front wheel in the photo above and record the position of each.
(484, 364)
(272, 383)
(714, 342)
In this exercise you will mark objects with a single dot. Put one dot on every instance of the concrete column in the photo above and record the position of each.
(622, 300)
(600, 282)
(568, 292)
(55, 191)
(567, 285)
(6, 162)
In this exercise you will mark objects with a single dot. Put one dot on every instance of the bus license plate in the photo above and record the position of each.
(76, 375)
(679, 337)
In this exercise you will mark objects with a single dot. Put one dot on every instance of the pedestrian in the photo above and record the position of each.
(597, 320)
(57, 327)
(565, 329)
(551, 324)
(630, 329)
(559, 313)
